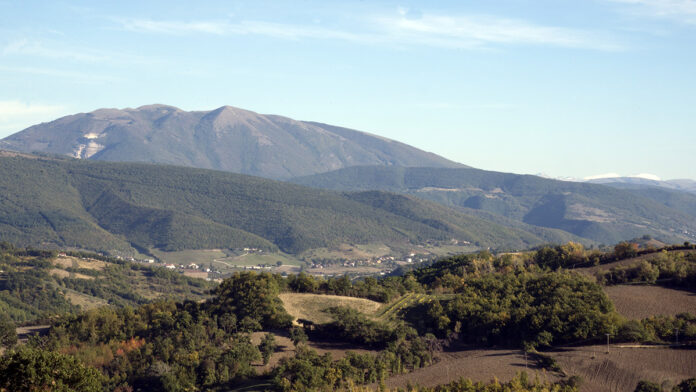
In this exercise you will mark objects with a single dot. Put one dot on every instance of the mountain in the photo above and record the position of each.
(119, 207)
(227, 138)
(684, 185)
(597, 212)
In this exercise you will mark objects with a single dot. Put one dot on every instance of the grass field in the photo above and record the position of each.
(199, 256)
(640, 301)
(226, 261)
(311, 306)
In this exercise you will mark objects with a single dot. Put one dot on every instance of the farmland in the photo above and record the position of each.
(622, 368)
(640, 301)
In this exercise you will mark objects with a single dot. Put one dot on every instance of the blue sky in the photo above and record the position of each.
(567, 88)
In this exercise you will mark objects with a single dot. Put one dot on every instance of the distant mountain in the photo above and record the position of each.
(119, 207)
(227, 138)
(598, 212)
(684, 185)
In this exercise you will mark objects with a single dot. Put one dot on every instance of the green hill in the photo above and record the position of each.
(597, 212)
(120, 207)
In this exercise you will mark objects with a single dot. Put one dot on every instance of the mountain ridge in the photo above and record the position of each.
(227, 138)
(594, 211)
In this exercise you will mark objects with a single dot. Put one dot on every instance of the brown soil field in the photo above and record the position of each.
(311, 306)
(640, 301)
(477, 365)
(622, 368)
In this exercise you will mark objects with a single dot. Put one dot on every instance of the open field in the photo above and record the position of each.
(199, 256)
(477, 365)
(84, 301)
(311, 306)
(348, 251)
(641, 301)
(622, 368)
(75, 262)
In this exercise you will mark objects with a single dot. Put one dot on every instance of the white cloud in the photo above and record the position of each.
(33, 48)
(74, 76)
(177, 28)
(680, 10)
(479, 31)
(16, 115)
(403, 28)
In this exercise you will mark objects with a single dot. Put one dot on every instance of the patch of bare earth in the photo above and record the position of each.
(477, 365)
(622, 368)
(638, 301)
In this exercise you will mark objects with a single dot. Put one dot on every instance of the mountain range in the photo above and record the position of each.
(377, 189)
(227, 138)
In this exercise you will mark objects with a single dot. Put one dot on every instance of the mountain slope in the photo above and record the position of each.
(226, 138)
(684, 185)
(593, 211)
(118, 207)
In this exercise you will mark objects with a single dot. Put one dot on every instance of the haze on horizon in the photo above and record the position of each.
(566, 88)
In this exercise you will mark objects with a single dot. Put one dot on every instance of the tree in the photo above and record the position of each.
(8, 335)
(688, 385)
(267, 347)
(647, 386)
(298, 335)
(29, 370)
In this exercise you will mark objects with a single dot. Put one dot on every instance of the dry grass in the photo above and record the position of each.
(84, 301)
(477, 365)
(637, 301)
(311, 306)
(74, 262)
(59, 273)
(65, 274)
(622, 368)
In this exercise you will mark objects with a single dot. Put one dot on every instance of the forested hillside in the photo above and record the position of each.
(120, 207)
(528, 303)
(597, 212)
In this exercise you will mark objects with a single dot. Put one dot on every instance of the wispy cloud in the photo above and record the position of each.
(482, 31)
(34, 48)
(679, 10)
(16, 115)
(403, 29)
(58, 51)
(80, 77)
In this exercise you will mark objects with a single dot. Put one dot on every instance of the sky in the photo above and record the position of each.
(566, 88)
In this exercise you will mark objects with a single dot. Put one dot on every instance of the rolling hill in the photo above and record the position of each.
(227, 138)
(598, 212)
(120, 207)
